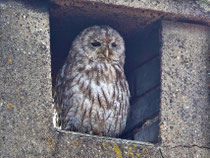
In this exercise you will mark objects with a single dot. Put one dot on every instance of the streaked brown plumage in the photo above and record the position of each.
(92, 94)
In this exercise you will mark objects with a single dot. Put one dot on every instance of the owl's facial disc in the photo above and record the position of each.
(102, 44)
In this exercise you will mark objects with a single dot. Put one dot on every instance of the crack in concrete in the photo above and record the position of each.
(191, 146)
(161, 153)
(187, 146)
(181, 146)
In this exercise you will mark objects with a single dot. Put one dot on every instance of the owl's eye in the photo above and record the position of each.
(96, 44)
(114, 44)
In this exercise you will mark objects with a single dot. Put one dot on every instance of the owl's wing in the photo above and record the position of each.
(63, 84)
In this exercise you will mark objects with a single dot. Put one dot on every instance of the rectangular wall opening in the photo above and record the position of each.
(142, 64)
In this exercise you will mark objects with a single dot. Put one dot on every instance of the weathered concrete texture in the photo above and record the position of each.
(167, 9)
(82, 145)
(25, 81)
(26, 128)
(25, 94)
(185, 152)
(117, 17)
(204, 4)
(185, 106)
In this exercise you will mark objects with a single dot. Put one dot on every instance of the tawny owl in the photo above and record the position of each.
(92, 94)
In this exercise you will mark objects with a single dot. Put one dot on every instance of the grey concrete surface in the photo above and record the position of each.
(205, 4)
(80, 145)
(185, 152)
(166, 9)
(26, 128)
(116, 16)
(185, 109)
(25, 81)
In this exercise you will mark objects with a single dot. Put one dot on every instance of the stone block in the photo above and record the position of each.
(185, 66)
(25, 81)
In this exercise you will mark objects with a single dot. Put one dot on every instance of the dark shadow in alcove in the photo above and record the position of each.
(142, 69)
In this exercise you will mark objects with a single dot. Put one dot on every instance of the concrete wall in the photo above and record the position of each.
(26, 128)
(25, 81)
(185, 110)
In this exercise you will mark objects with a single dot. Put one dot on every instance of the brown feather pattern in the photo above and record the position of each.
(92, 94)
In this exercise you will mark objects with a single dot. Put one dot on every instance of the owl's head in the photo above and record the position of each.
(100, 44)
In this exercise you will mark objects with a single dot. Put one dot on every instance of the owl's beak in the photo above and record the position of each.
(106, 53)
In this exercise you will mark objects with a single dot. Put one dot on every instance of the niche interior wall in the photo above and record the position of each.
(142, 64)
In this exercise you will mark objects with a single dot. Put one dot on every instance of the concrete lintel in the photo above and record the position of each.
(197, 11)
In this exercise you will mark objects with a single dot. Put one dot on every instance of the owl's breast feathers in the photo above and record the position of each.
(93, 98)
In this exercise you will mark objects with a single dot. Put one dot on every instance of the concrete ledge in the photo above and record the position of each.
(82, 145)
